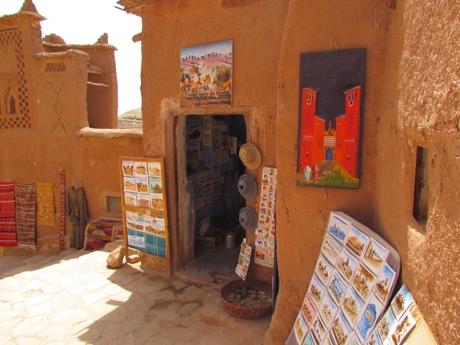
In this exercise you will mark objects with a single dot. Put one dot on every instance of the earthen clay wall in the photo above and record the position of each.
(58, 136)
(411, 99)
(256, 30)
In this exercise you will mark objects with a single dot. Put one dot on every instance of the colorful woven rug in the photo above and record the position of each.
(8, 236)
(25, 214)
(45, 203)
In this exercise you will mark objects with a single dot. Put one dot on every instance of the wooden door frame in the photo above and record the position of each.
(171, 157)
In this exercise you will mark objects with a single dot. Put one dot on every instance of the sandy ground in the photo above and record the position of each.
(72, 298)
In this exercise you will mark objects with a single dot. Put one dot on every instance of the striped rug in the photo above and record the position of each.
(8, 237)
(25, 214)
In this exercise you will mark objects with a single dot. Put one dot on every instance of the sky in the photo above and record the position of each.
(82, 22)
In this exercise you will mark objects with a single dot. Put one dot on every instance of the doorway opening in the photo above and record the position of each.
(209, 168)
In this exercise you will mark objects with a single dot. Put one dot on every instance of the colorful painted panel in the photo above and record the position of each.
(331, 106)
(207, 74)
(355, 273)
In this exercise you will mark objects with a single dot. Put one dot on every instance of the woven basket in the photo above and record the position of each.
(244, 312)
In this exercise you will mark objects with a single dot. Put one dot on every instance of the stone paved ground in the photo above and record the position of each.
(72, 298)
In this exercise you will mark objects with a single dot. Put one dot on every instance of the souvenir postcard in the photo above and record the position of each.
(328, 340)
(129, 184)
(140, 169)
(328, 309)
(352, 306)
(341, 329)
(318, 330)
(158, 225)
(316, 290)
(368, 319)
(154, 169)
(401, 302)
(337, 287)
(131, 215)
(384, 283)
(331, 249)
(374, 339)
(363, 280)
(402, 329)
(128, 168)
(356, 241)
(300, 328)
(143, 200)
(337, 227)
(130, 199)
(375, 256)
(244, 260)
(135, 224)
(324, 270)
(347, 264)
(155, 185)
(142, 184)
(308, 310)
(385, 324)
(309, 340)
(353, 340)
(136, 239)
(157, 202)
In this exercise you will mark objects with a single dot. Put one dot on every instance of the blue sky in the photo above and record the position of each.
(82, 22)
(223, 47)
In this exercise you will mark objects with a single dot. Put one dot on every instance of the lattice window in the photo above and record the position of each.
(21, 103)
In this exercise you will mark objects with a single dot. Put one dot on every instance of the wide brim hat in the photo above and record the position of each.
(250, 156)
(248, 218)
(247, 186)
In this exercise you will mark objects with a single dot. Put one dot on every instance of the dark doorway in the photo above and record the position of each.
(212, 170)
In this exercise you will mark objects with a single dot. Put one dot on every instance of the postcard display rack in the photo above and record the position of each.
(354, 278)
(145, 222)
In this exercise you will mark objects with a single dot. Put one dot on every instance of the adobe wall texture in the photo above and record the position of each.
(256, 30)
(426, 114)
(302, 213)
(56, 93)
(411, 99)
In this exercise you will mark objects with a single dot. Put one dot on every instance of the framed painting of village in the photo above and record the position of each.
(330, 116)
(145, 220)
(206, 74)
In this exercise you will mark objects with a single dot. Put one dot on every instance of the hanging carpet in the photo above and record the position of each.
(25, 214)
(8, 235)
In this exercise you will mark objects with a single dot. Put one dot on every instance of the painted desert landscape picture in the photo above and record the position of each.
(206, 74)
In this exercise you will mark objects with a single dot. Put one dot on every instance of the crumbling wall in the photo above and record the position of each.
(425, 112)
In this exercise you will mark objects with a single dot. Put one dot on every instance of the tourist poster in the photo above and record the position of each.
(206, 74)
(355, 273)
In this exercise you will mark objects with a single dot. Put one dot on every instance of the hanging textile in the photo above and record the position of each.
(25, 214)
(45, 204)
(77, 210)
(8, 235)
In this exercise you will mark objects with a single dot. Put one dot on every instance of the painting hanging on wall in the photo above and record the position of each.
(206, 74)
(330, 116)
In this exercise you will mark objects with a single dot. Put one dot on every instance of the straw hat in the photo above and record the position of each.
(247, 186)
(248, 218)
(250, 156)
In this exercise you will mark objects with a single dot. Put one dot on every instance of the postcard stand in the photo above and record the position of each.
(354, 278)
(144, 209)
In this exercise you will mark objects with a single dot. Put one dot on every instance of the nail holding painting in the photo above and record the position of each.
(331, 107)
(206, 74)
